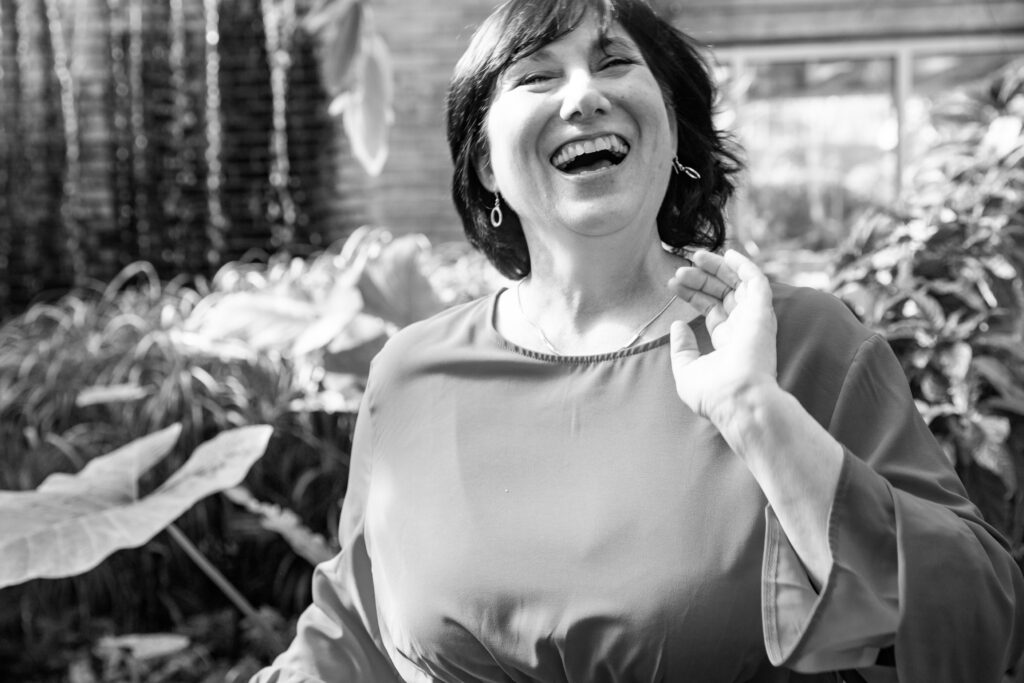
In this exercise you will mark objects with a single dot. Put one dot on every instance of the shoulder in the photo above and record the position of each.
(812, 322)
(810, 313)
(819, 339)
(452, 330)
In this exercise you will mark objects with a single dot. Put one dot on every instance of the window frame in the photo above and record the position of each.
(902, 52)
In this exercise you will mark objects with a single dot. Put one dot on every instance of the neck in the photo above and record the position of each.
(598, 274)
(595, 295)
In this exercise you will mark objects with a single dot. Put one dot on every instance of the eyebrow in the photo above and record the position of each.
(602, 43)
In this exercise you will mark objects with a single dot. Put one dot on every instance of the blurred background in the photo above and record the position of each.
(214, 212)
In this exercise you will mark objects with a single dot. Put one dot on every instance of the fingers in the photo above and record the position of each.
(708, 284)
(683, 344)
(703, 301)
(700, 280)
(723, 268)
(744, 269)
(714, 280)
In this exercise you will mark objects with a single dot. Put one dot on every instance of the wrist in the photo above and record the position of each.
(743, 411)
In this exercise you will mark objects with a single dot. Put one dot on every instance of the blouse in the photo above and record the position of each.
(518, 516)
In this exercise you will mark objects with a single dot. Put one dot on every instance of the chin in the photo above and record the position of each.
(600, 220)
(599, 223)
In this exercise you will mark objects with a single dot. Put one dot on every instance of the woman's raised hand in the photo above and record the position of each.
(734, 296)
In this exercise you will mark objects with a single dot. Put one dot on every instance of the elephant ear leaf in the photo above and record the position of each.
(115, 476)
(337, 26)
(367, 109)
(71, 523)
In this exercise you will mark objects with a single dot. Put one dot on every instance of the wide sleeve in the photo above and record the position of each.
(337, 637)
(918, 580)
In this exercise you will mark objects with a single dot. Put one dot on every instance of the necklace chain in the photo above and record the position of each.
(547, 342)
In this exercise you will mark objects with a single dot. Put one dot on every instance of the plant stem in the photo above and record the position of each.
(226, 586)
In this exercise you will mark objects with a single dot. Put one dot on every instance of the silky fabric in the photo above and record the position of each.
(518, 516)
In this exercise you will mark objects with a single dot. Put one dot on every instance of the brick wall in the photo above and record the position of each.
(425, 39)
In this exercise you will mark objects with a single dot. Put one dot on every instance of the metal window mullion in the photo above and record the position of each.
(904, 84)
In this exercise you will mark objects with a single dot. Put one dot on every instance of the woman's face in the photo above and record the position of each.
(579, 135)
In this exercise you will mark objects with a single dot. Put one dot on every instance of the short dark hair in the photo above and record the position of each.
(692, 213)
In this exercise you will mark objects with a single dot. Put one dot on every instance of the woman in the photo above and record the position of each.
(598, 476)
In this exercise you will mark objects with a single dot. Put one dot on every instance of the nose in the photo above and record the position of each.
(583, 98)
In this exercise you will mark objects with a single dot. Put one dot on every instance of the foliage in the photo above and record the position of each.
(334, 311)
(70, 523)
(286, 344)
(355, 69)
(100, 368)
(940, 277)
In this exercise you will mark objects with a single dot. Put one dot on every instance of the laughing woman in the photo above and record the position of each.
(642, 462)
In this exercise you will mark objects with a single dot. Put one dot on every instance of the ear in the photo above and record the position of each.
(482, 165)
(673, 126)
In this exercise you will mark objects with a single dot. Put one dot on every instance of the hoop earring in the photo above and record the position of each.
(496, 216)
(678, 167)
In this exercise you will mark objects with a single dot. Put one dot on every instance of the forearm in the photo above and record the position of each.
(795, 461)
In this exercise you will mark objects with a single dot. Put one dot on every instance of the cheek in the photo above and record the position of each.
(512, 134)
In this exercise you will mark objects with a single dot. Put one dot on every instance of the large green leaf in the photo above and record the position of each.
(72, 522)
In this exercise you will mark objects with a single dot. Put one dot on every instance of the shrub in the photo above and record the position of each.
(940, 277)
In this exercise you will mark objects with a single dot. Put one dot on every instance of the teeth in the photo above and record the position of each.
(571, 150)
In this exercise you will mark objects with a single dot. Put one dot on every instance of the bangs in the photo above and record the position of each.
(531, 25)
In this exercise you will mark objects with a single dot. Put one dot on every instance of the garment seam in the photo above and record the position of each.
(584, 359)
(771, 572)
(854, 361)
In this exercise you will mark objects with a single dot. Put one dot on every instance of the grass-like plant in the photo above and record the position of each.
(100, 368)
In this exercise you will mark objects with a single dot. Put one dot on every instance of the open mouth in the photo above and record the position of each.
(587, 156)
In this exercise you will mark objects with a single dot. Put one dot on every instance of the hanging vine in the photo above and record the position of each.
(182, 170)
(217, 223)
(279, 29)
(140, 135)
(33, 65)
(72, 251)
(124, 208)
(8, 103)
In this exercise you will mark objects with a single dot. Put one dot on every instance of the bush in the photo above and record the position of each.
(940, 277)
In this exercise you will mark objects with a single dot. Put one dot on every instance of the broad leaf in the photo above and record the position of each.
(337, 26)
(141, 646)
(275, 320)
(367, 113)
(71, 523)
(114, 476)
(336, 314)
(307, 544)
(990, 450)
(394, 285)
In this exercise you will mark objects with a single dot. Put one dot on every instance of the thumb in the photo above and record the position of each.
(683, 344)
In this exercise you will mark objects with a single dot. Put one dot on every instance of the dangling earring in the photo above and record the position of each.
(688, 170)
(496, 216)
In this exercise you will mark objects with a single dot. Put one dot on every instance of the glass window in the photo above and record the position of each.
(820, 139)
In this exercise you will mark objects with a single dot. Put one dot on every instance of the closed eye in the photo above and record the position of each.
(532, 79)
(615, 61)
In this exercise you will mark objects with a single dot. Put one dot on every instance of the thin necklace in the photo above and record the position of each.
(547, 342)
